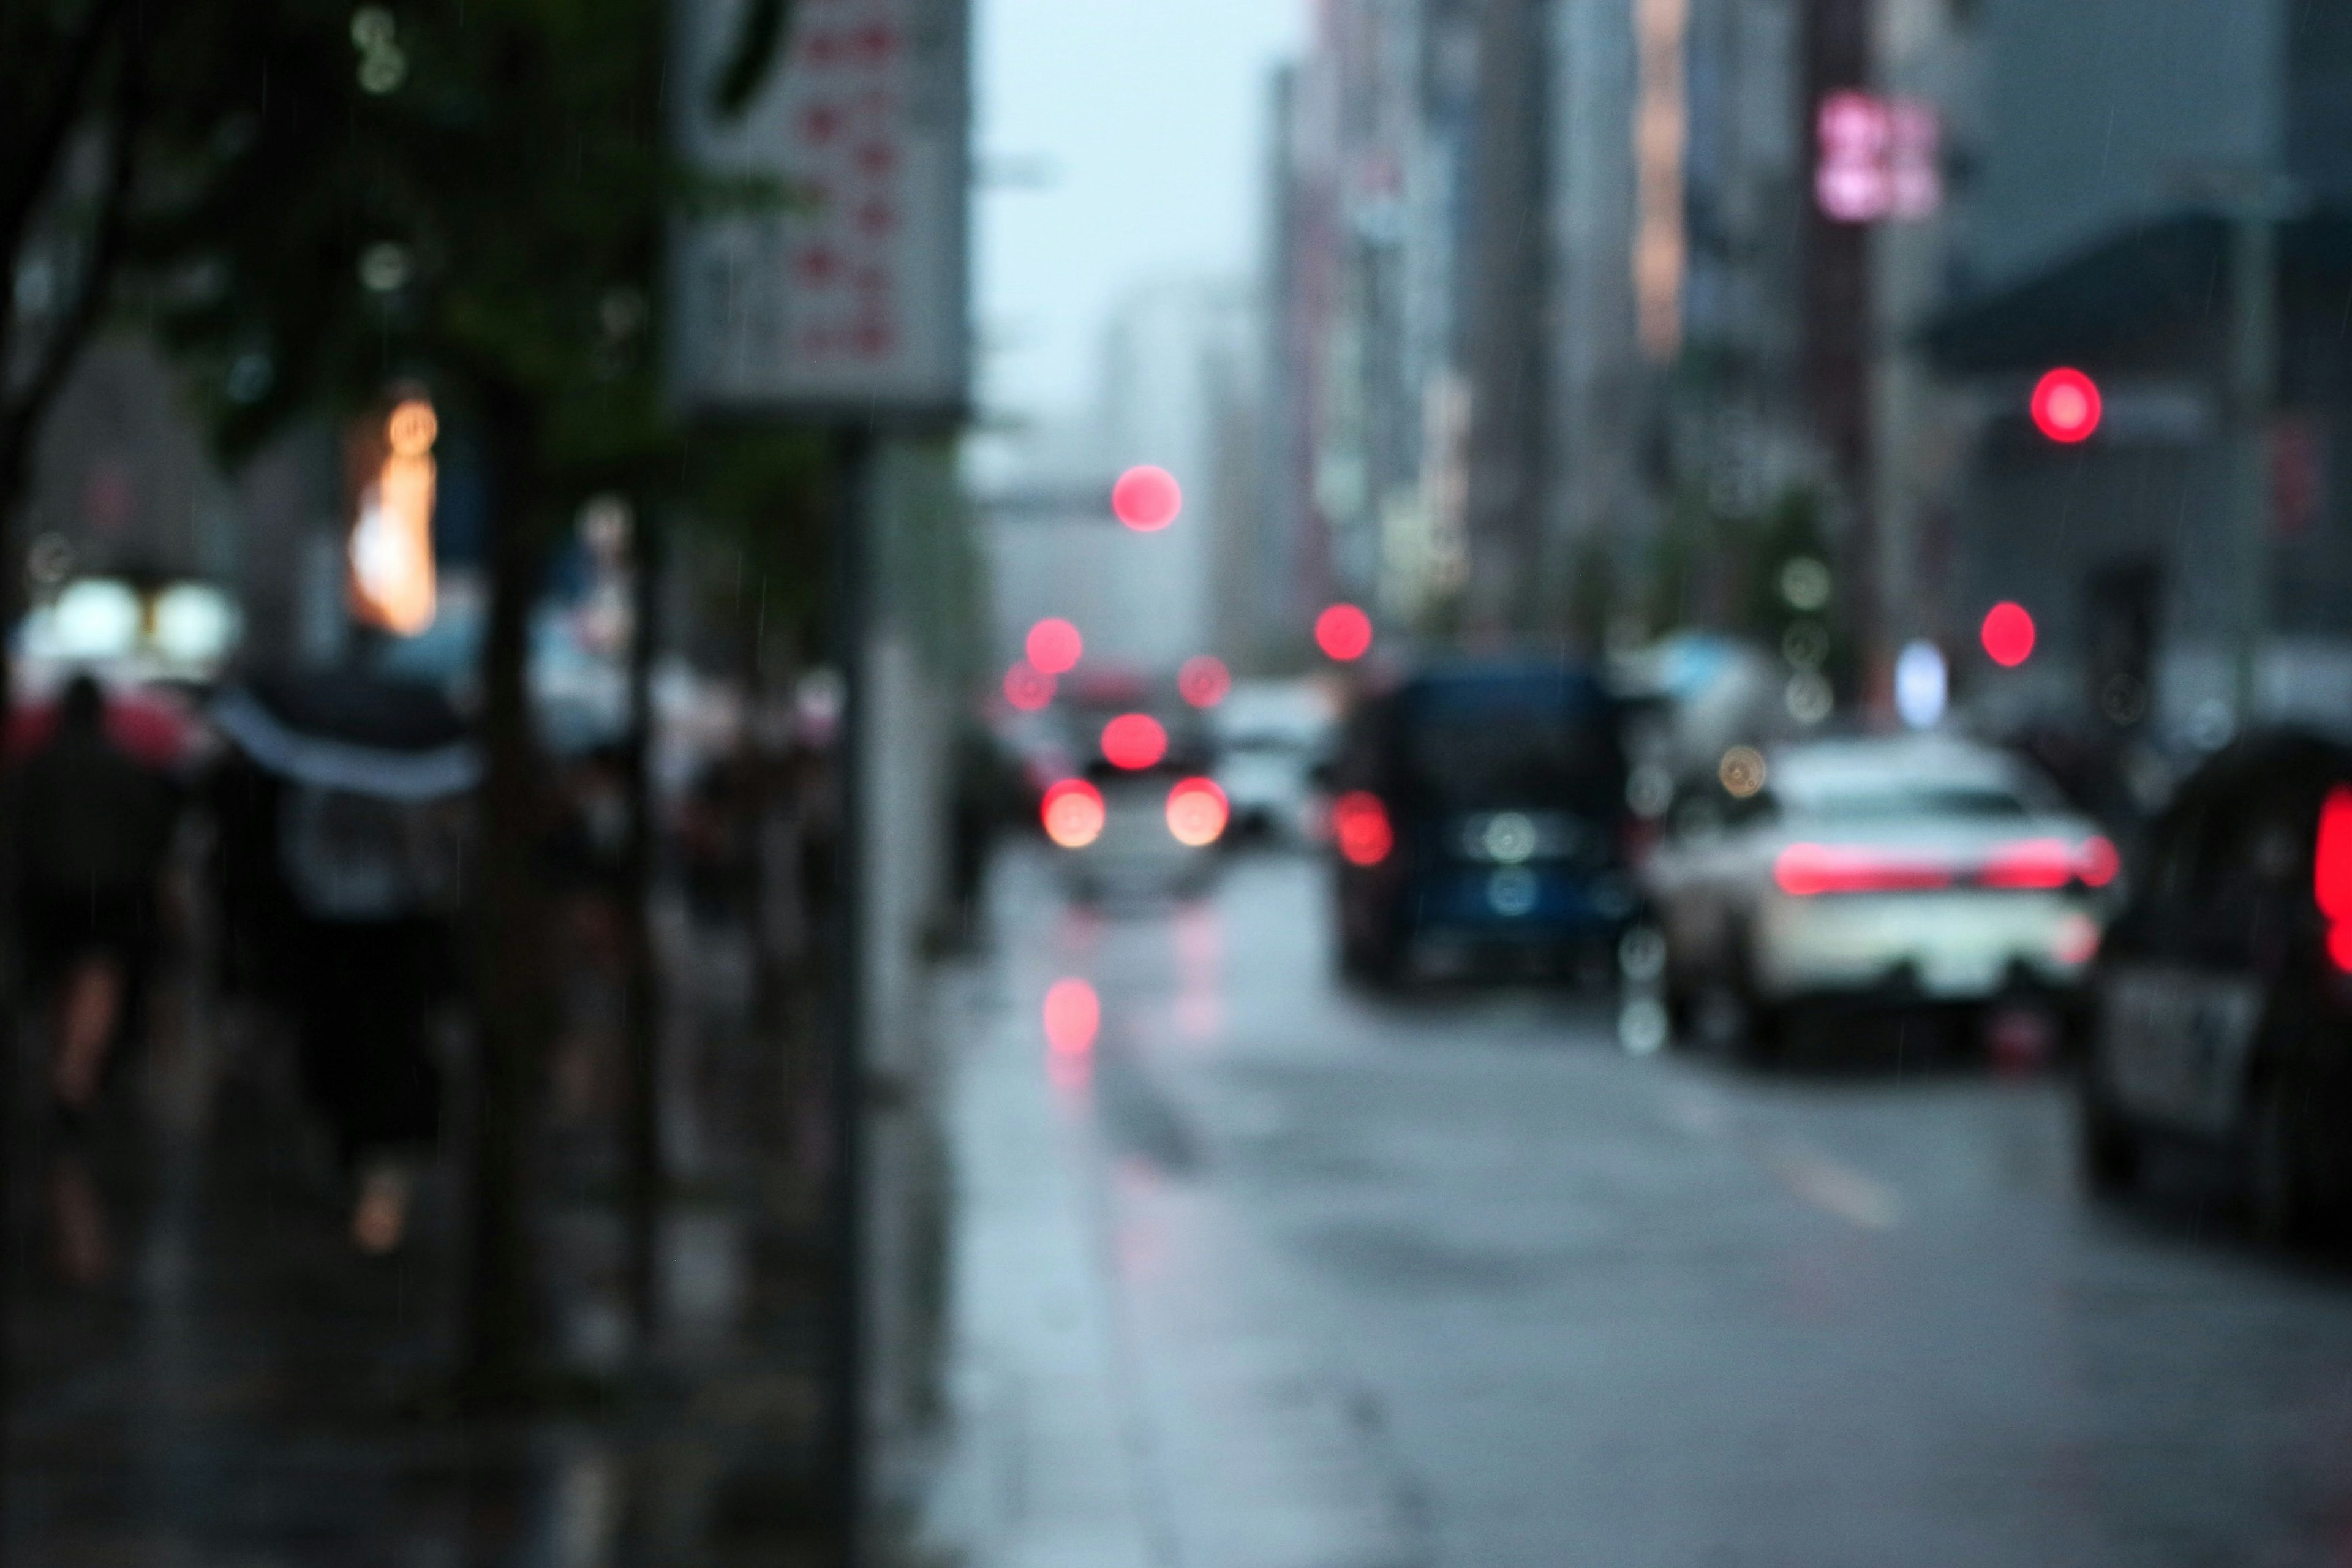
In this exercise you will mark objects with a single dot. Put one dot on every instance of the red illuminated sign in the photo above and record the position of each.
(1879, 158)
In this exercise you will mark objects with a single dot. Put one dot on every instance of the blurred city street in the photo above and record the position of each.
(1313, 1277)
(1176, 783)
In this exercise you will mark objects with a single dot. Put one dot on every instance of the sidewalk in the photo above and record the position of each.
(248, 1392)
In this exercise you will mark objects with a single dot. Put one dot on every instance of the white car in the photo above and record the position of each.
(1914, 869)
(1270, 734)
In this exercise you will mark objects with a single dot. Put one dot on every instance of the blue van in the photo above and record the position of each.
(1478, 812)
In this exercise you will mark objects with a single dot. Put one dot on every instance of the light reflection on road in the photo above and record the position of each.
(1449, 1278)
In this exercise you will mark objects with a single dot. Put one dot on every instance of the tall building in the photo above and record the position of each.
(2162, 200)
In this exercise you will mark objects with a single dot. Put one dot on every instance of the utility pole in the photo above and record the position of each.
(2253, 383)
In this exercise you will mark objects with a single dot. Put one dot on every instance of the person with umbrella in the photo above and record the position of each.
(93, 828)
(342, 817)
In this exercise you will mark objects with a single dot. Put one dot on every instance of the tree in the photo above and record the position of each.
(310, 203)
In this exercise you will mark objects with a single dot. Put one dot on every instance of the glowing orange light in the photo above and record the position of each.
(1360, 824)
(1204, 680)
(1344, 632)
(1197, 813)
(2066, 406)
(1074, 814)
(1054, 646)
(2331, 873)
(2007, 635)
(1028, 688)
(1147, 498)
(391, 550)
(1073, 1017)
(1133, 741)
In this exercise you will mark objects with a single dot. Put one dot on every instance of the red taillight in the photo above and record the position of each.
(1197, 812)
(2331, 873)
(1134, 741)
(1805, 869)
(1360, 825)
(1074, 814)
(2034, 863)
(2097, 862)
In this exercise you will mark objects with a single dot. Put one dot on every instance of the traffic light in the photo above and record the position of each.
(2008, 634)
(1344, 633)
(1147, 498)
(2066, 406)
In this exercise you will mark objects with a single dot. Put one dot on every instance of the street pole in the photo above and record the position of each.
(852, 568)
(2252, 383)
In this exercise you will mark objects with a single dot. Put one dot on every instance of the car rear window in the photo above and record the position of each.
(1909, 803)
(1492, 756)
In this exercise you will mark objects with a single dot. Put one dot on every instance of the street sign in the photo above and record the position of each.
(843, 296)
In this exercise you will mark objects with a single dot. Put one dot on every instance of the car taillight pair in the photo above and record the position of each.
(1197, 813)
(1804, 870)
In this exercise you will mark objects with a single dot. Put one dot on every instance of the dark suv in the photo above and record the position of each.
(2224, 992)
(1479, 808)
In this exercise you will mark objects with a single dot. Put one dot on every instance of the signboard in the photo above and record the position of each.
(1880, 158)
(847, 299)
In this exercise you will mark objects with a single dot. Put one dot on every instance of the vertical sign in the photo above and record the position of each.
(839, 292)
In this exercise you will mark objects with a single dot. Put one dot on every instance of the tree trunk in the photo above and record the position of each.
(513, 976)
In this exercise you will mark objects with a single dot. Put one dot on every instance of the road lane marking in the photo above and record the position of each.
(1835, 1188)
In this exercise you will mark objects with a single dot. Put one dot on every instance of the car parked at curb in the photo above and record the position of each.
(2224, 993)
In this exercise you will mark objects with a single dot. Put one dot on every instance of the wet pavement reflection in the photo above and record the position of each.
(248, 1389)
(1450, 1276)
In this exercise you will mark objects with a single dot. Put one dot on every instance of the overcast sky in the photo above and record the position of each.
(1148, 116)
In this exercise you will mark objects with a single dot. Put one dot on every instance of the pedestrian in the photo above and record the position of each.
(93, 828)
(339, 882)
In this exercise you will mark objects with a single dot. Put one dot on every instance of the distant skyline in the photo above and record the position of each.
(1149, 116)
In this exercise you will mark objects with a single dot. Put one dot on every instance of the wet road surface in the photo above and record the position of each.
(1450, 1278)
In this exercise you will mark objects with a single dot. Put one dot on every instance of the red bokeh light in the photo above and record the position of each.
(1073, 813)
(2007, 635)
(2097, 862)
(1147, 498)
(1204, 680)
(1197, 813)
(1073, 1017)
(1344, 632)
(1360, 825)
(2066, 406)
(1028, 688)
(2331, 873)
(2030, 863)
(1054, 645)
(1133, 741)
(1802, 870)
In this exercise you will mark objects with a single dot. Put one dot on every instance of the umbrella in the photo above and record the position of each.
(147, 725)
(349, 730)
